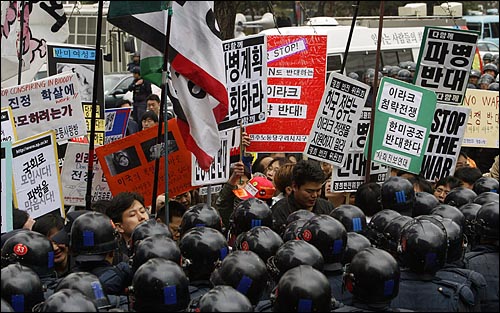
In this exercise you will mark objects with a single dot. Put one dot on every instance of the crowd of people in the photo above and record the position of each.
(275, 238)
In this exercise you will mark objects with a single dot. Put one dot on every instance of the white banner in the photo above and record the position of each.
(8, 130)
(219, 169)
(52, 103)
(36, 175)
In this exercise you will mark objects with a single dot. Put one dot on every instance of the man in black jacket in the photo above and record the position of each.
(308, 178)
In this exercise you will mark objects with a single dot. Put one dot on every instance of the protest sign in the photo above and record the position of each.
(246, 68)
(8, 129)
(35, 170)
(74, 176)
(218, 171)
(482, 126)
(401, 126)
(296, 72)
(46, 104)
(129, 164)
(6, 172)
(116, 123)
(445, 140)
(334, 125)
(352, 174)
(445, 59)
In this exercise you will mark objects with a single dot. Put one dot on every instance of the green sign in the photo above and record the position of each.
(401, 124)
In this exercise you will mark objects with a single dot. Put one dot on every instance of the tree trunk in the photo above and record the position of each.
(225, 13)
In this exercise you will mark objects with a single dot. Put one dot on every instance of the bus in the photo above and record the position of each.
(401, 40)
(486, 25)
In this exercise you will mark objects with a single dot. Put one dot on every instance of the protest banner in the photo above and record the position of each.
(129, 164)
(445, 59)
(246, 68)
(74, 176)
(46, 104)
(401, 126)
(482, 126)
(116, 123)
(445, 141)
(296, 75)
(219, 169)
(8, 129)
(6, 192)
(334, 125)
(352, 174)
(37, 181)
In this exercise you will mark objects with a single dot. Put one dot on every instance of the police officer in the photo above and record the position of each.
(397, 194)
(484, 257)
(93, 241)
(470, 210)
(221, 299)
(261, 240)
(157, 246)
(373, 279)
(485, 184)
(201, 214)
(202, 248)
(423, 248)
(303, 289)
(391, 234)
(329, 236)
(292, 230)
(21, 287)
(486, 197)
(67, 300)
(160, 285)
(147, 229)
(249, 213)
(424, 203)
(459, 196)
(355, 243)
(352, 217)
(377, 224)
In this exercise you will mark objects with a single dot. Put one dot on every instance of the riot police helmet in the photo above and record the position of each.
(404, 75)
(459, 196)
(146, 229)
(392, 232)
(397, 194)
(487, 57)
(351, 216)
(377, 224)
(299, 214)
(490, 67)
(223, 299)
(89, 285)
(485, 197)
(456, 240)
(250, 213)
(21, 287)
(261, 240)
(200, 214)
(487, 221)
(67, 300)
(292, 230)
(355, 243)
(424, 203)
(485, 184)
(156, 246)
(449, 211)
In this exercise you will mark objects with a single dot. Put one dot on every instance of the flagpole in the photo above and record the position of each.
(21, 46)
(374, 95)
(97, 62)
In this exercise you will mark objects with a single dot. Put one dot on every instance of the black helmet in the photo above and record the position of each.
(352, 217)
(475, 73)
(299, 214)
(456, 241)
(146, 229)
(397, 194)
(353, 75)
(470, 210)
(445, 210)
(303, 289)
(294, 253)
(490, 67)
(355, 243)
(459, 196)
(394, 71)
(487, 56)
(377, 224)
(485, 184)
(88, 284)
(67, 300)
(373, 276)
(30, 249)
(202, 248)
(292, 230)
(424, 203)
(386, 70)
(487, 221)
(261, 240)
(21, 287)
(160, 285)
(200, 215)
(411, 66)
(392, 232)
(6, 307)
(244, 271)
(250, 213)
(222, 299)
(486, 197)
(157, 246)
(404, 75)
(485, 79)
(423, 245)
(329, 236)
(494, 86)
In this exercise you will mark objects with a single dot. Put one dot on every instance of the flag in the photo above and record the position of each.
(146, 20)
(45, 21)
(198, 77)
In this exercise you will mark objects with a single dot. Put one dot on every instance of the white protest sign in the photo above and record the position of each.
(335, 122)
(219, 169)
(36, 175)
(74, 176)
(445, 141)
(8, 129)
(52, 103)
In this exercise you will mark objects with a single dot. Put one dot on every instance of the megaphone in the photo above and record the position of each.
(266, 21)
